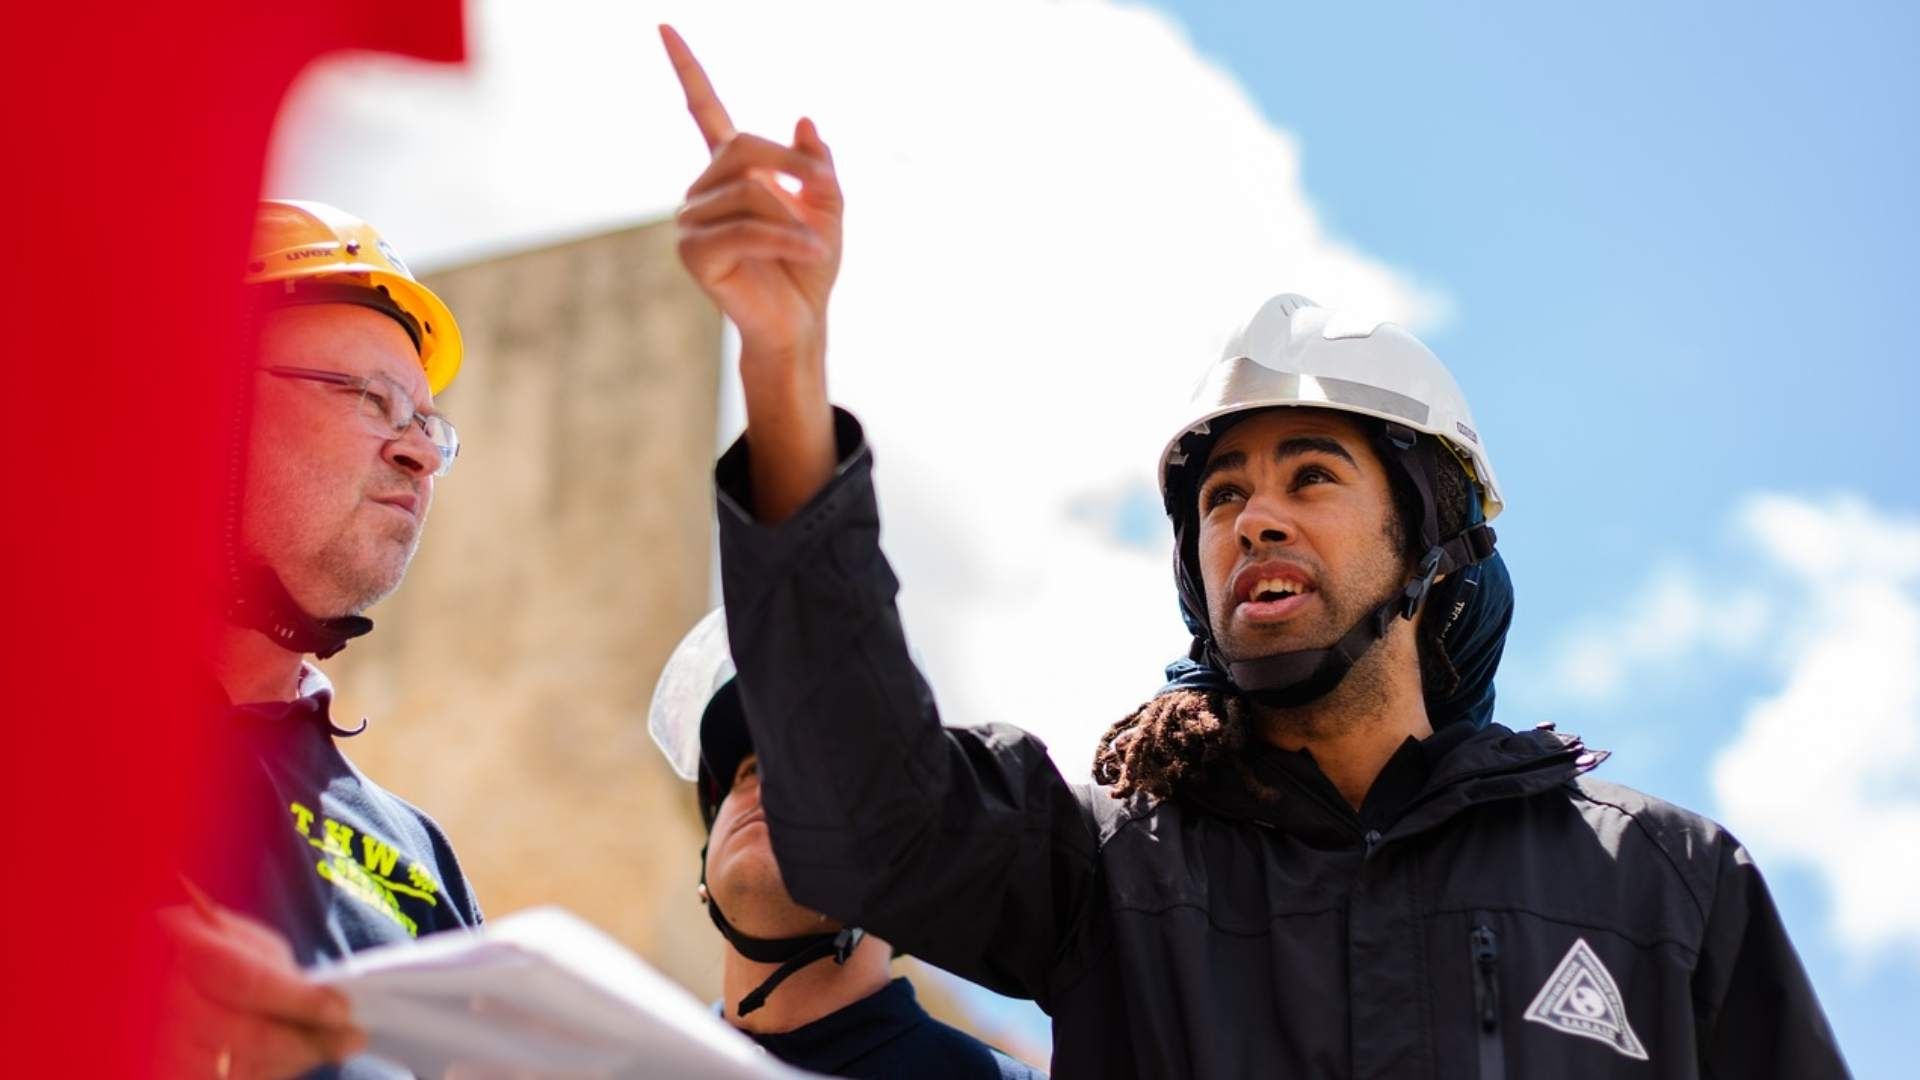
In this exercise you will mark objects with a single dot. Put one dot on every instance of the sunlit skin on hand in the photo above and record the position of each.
(767, 257)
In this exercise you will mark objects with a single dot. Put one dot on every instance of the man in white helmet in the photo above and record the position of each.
(815, 993)
(1312, 854)
(335, 450)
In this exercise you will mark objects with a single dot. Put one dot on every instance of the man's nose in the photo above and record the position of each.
(413, 453)
(1262, 522)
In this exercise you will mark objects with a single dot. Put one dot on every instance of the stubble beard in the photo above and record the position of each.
(364, 568)
(754, 897)
(1356, 701)
(1363, 693)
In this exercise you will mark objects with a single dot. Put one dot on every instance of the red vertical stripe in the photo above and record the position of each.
(132, 139)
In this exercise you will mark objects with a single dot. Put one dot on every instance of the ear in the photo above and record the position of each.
(701, 889)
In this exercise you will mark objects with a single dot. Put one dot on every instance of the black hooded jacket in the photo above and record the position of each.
(1495, 913)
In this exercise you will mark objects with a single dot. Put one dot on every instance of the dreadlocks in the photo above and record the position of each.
(1180, 736)
(1176, 737)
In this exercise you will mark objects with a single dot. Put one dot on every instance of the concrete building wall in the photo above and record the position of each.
(507, 680)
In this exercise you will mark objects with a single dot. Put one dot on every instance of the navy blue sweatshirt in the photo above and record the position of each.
(318, 851)
(887, 1034)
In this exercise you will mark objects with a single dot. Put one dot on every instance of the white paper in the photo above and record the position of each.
(537, 995)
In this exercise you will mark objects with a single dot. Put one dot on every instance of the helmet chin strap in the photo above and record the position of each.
(791, 953)
(259, 600)
(1289, 679)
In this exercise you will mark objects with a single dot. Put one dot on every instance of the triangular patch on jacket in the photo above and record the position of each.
(1581, 998)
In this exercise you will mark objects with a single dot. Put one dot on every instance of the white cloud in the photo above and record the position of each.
(1826, 769)
(1663, 625)
(1057, 212)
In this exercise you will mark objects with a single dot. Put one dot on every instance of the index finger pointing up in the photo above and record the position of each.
(715, 125)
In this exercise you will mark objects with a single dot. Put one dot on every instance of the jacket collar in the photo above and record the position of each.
(1495, 764)
(1491, 764)
(312, 703)
(313, 682)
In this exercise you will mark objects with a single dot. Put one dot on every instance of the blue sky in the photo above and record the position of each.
(1667, 252)
(1680, 245)
(1679, 241)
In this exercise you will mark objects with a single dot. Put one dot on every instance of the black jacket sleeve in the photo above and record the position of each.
(1757, 1011)
(963, 846)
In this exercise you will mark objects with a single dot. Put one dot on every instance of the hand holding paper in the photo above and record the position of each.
(539, 994)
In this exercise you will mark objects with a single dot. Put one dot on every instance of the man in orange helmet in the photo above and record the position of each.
(334, 470)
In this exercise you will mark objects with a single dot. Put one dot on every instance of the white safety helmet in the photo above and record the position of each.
(700, 665)
(1295, 352)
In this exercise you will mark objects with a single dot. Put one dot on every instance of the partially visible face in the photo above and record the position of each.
(742, 874)
(334, 509)
(1296, 532)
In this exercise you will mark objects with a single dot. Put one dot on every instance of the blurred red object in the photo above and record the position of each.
(134, 137)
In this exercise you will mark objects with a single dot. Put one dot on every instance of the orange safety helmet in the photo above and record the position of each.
(298, 242)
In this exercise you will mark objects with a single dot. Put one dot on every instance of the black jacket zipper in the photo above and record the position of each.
(1486, 1003)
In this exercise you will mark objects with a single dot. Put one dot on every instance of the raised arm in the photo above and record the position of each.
(768, 258)
(964, 846)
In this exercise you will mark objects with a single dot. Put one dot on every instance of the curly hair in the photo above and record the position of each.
(1185, 736)
(1177, 737)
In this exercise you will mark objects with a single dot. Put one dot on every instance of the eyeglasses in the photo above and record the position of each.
(386, 408)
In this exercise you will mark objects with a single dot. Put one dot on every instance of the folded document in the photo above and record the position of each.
(538, 994)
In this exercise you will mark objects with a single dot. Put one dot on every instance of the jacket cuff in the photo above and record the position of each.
(733, 480)
(834, 536)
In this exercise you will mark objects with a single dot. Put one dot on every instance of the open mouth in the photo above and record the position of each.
(1273, 592)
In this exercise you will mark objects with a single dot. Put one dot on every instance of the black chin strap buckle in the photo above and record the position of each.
(839, 946)
(1479, 541)
(1417, 589)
